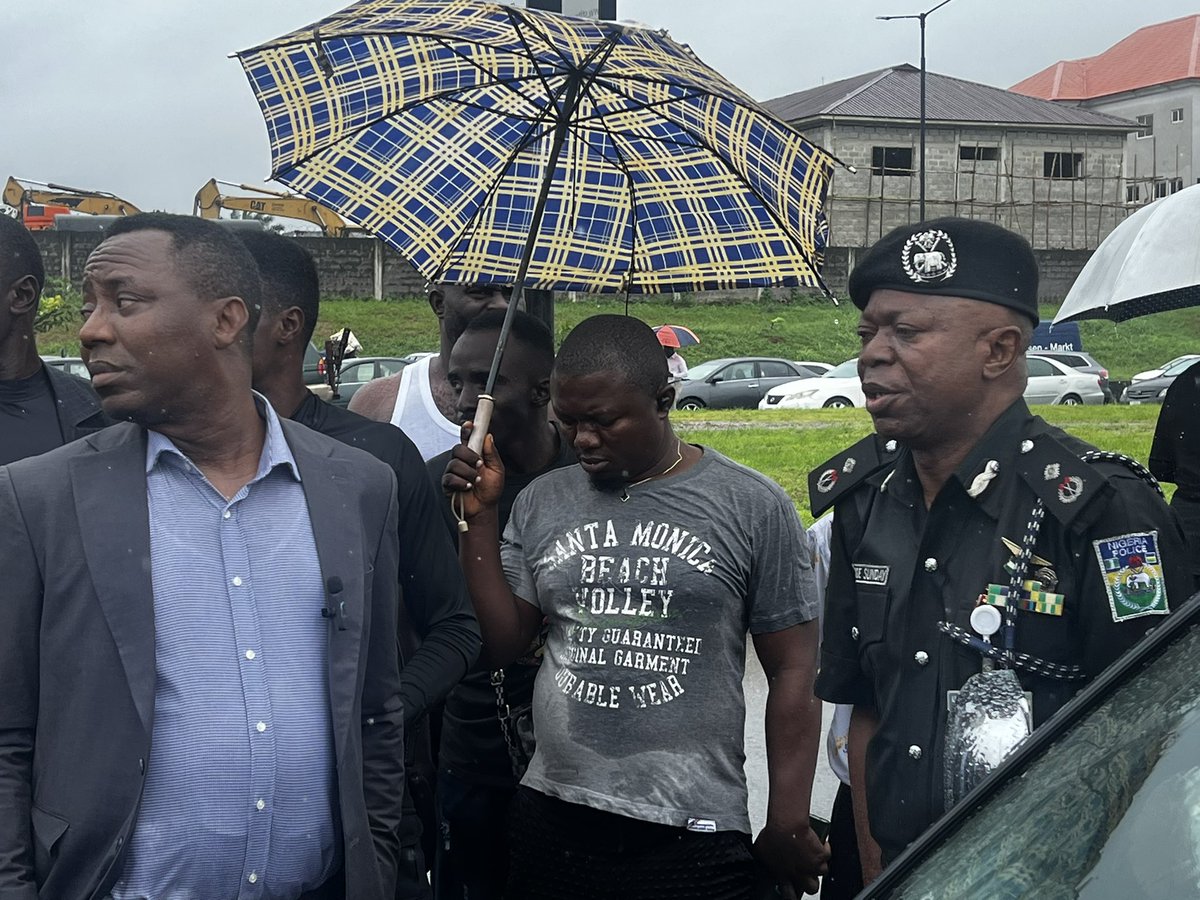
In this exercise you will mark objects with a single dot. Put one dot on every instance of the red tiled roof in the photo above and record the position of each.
(1156, 54)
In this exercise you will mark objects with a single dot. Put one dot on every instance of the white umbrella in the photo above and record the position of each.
(1149, 263)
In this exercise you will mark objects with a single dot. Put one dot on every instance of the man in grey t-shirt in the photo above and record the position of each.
(649, 561)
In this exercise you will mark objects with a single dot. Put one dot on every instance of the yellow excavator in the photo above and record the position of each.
(210, 201)
(38, 203)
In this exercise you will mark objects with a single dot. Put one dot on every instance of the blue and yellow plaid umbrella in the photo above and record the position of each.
(489, 143)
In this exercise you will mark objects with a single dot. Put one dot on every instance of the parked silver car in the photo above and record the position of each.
(1053, 382)
(1083, 362)
(734, 383)
(1152, 390)
(357, 372)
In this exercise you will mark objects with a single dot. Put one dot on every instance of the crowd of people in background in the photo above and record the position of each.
(260, 646)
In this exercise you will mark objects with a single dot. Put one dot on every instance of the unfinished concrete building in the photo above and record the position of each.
(1051, 172)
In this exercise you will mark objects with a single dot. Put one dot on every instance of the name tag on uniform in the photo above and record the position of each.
(868, 574)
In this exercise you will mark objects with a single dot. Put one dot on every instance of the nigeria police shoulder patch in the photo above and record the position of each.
(1133, 576)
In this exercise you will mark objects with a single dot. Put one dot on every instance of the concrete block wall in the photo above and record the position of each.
(1012, 191)
(348, 267)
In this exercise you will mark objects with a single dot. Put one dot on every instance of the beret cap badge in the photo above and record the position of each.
(929, 256)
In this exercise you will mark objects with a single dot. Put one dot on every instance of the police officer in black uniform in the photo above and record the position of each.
(961, 496)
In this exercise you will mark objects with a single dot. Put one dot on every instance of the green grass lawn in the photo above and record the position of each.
(787, 444)
(783, 444)
(810, 328)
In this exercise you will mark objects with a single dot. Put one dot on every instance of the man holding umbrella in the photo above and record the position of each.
(650, 560)
(971, 540)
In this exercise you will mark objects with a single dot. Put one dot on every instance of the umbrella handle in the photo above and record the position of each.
(483, 421)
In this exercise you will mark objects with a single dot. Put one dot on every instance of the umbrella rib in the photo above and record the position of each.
(621, 164)
(517, 21)
(501, 82)
(533, 134)
(701, 144)
(473, 225)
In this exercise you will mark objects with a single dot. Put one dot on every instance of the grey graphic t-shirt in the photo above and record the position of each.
(638, 705)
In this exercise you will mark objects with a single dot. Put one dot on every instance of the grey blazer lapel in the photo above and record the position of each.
(109, 486)
(328, 486)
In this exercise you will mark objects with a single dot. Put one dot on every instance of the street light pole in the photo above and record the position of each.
(920, 17)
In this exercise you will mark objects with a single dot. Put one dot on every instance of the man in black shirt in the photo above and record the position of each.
(1175, 455)
(435, 604)
(40, 407)
(476, 781)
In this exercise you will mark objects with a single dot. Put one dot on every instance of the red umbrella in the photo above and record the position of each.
(676, 336)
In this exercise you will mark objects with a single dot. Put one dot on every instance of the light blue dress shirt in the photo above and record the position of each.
(240, 798)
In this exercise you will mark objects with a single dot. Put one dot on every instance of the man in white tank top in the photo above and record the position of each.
(419, 399)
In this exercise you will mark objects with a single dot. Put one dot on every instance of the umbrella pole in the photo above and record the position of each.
(485, 405)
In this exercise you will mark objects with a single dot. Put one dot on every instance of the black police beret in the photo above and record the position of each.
(951, 257)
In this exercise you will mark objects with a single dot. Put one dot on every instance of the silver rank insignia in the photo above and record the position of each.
(1070, 489)
(828, 479)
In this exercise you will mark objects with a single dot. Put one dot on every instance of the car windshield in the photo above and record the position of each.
(1180, 365)
(702, 371)
(1108, 810)
(848, 369)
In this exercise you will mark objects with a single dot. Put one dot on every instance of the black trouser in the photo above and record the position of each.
(844, 880)
(471, 862)
(565, 850)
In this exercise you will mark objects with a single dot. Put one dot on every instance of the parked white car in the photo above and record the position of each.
(1049, 382)
(836, 389)
(1155, 373)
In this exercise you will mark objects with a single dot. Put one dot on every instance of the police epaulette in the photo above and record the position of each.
(1066, 483)
(833, 478)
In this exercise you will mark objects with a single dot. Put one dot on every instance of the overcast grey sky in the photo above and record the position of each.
(139, 97)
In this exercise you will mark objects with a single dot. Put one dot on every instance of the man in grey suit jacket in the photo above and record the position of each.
(201, 684)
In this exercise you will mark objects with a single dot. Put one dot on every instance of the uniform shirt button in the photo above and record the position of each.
(921, 657)
(914, 751)
(854, 632)
(931, 565)
(1026, 446)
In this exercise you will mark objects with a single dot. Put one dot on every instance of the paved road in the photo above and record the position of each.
(825, 784)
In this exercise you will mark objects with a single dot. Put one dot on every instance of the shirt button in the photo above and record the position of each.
(914, 751)
(226, 514)
(931, 565)
(261, 726)
(921, 657)
(249, 654)
(252, 877)
(890, 446)
(260, 805)
(854, 632)
(237, 581)
(1026, 446)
